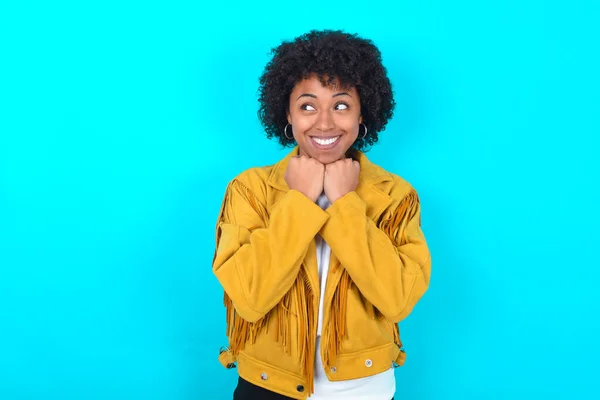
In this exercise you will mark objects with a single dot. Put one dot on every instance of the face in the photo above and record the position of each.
(324, 120)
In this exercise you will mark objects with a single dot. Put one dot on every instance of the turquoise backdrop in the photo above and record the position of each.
(122, 122)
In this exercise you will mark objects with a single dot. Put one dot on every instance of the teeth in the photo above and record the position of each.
(325, 142)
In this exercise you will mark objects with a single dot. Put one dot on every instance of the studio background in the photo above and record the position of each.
(122, 122)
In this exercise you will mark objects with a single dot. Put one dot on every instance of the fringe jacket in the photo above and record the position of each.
(266, 262)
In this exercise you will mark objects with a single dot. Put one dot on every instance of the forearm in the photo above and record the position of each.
(257, 267)
(392, 278)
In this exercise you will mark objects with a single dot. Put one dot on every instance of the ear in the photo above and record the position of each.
(360, 120)
(289, 117)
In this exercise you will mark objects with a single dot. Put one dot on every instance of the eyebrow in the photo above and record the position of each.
(314, 97)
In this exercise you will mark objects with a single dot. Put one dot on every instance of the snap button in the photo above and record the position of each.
(333, 370)
(369, 363)
(300, 388)
(264, 376)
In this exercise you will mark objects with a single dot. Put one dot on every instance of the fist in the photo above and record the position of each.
(306, 175)
(341, 177)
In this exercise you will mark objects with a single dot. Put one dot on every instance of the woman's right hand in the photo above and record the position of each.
(306, 175)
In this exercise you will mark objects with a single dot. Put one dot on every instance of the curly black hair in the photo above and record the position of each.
(329, 54)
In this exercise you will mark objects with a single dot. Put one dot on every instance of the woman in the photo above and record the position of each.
(321, 254)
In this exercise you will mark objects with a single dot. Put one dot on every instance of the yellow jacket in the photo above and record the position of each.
(265, 259)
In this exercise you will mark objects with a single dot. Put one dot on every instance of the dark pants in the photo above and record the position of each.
(249, 391)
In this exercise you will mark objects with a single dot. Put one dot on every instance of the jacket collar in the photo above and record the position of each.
(370, 177)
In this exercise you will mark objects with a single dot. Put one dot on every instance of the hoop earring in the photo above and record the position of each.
(285, 133)
(366, 130)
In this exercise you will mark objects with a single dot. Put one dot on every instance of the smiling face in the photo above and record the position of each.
(324, 120)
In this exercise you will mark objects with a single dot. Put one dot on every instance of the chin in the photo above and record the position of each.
(329, 158)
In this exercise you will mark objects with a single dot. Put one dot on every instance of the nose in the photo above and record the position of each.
(325, 121)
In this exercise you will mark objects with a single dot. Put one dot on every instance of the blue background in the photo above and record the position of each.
(121, 123)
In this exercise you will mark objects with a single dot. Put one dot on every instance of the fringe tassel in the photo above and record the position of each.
(397, 336)
(335, 332)
(283, 325)
(307, 329)
(394, 226)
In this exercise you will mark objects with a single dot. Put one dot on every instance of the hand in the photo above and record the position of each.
(341, 177)
(306, 175)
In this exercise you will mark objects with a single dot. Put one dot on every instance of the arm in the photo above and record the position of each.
(391, 269)
(258, 256)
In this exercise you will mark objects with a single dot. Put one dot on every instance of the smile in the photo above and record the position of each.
(325, 141)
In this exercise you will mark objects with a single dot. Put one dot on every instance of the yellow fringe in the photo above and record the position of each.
(394, 225)
(335, 332)
(307, 328)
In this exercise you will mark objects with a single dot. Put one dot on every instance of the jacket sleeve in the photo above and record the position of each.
(391, 269)
(258, 256)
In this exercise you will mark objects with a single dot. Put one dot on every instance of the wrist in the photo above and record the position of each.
(311, 196)
(335, 196)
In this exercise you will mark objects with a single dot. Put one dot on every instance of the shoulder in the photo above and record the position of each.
(400, 186)
(392, 184)
(253, 179)
(395, 185)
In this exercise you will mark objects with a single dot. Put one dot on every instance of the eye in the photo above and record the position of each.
(341, 106)
(307, 107)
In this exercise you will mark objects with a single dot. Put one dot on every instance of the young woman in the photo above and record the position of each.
(322, 254)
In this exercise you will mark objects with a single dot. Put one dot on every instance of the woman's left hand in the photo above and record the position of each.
(341, 177)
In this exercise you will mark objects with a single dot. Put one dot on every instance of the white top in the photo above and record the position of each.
(377, 387)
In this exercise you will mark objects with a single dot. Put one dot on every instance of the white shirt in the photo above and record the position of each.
(377, 387)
